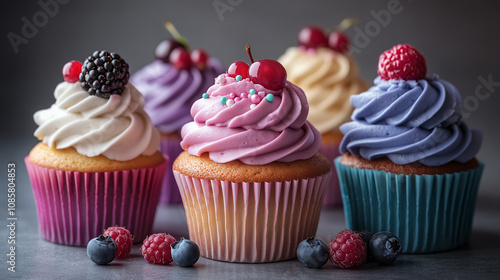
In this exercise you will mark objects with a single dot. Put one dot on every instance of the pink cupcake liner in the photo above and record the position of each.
(74, 207)
(251, 222)
(169, 191)
(333, 196)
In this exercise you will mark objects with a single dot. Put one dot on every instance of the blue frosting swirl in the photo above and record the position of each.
(410, 121)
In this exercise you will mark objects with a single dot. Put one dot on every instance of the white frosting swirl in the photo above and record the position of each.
(117, 128)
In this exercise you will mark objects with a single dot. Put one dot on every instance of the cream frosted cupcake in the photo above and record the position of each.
(170, 85)
(251, 180)
(329, 77)
(408, 163)
(98, 163)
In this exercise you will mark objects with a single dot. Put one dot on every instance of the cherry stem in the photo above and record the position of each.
(247, 48)
(346, 23)
(177, 36)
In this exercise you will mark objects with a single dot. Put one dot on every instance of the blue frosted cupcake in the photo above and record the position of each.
(408, 163)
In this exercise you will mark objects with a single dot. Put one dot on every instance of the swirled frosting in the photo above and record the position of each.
(410, 121)
(170, 92)
(240, 120)
(328, 79)
(117, 128)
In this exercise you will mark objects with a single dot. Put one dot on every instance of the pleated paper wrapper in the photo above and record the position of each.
(333, 197)
(251, 222)
(428, 213)
(74, 207)
(170, 195)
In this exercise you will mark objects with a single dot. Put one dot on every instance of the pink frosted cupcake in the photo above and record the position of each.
(170, 85)
(329, 76)
(98, 163)
(251, 179)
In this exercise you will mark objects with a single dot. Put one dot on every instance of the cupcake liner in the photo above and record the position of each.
(428, 213)
(332, 197)
(74, 207)
(169, 191)
(251, 222)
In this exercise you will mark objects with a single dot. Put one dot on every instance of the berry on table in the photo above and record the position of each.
(185, 252)
(71, 71)
(385, 247)
(312, 37)
(102, 249)
(402, 62)
(312, 252)
(347, 249)
(156, 248)
(122, 238)
(104, 73)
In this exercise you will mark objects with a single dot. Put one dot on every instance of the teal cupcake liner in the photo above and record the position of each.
(428, 213)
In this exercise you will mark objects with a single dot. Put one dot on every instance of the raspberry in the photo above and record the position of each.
(104, 74)
(156, 248)
(402, 62)
(123, 240)
(347, 249)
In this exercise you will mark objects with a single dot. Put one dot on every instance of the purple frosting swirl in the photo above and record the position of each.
(170, 92)
(410, 121)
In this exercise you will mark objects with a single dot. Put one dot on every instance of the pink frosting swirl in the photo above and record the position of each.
(240, 120)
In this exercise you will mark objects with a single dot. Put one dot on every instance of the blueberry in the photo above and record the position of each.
(102, 249)
(312, 252)
(366, 236)
(385, 247)
(185, 252)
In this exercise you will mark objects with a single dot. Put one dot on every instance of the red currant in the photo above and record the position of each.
(338, 41)
(71, 71)
(200, 58)
(165, 48)
(181, 59)
(268, 73)
(238, 68)
(312, 37)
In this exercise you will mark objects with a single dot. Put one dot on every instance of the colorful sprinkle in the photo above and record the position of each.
(221, 79)
(270, 97)
(252, 91)
(232, 95)
(223, 100)
(252, 106)
(255, 99)
(205, 95)
(236, 99)
(244, 95)
(239, 78)
(230, 102)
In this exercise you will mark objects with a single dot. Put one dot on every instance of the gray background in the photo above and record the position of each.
(460, 40)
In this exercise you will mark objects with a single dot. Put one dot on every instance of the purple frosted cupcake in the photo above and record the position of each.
(170, 85)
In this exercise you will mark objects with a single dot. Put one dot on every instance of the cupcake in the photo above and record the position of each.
(328, 75)
(97, 163)
(408, 163)
(251, 178)
(170, 85)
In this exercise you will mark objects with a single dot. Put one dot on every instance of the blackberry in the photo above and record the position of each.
(104, 73)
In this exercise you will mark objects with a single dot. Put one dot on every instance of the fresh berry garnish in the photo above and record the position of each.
(199, 58)
(165, 48)
(156, 248)
(102, 249)
(385, 247)
(366, 236)
(185, 252)
(338, 41)
(238, 68)
(122, 238)
(181, 59)
(104, 73)
(347, 249)
(402, 62)
(312, 252)
(71, 71)
(267, 72)
(312, 37)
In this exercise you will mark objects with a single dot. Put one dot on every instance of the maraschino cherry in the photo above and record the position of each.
(71, 71)
(266, 72)
(238, 68)
(312, 37)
